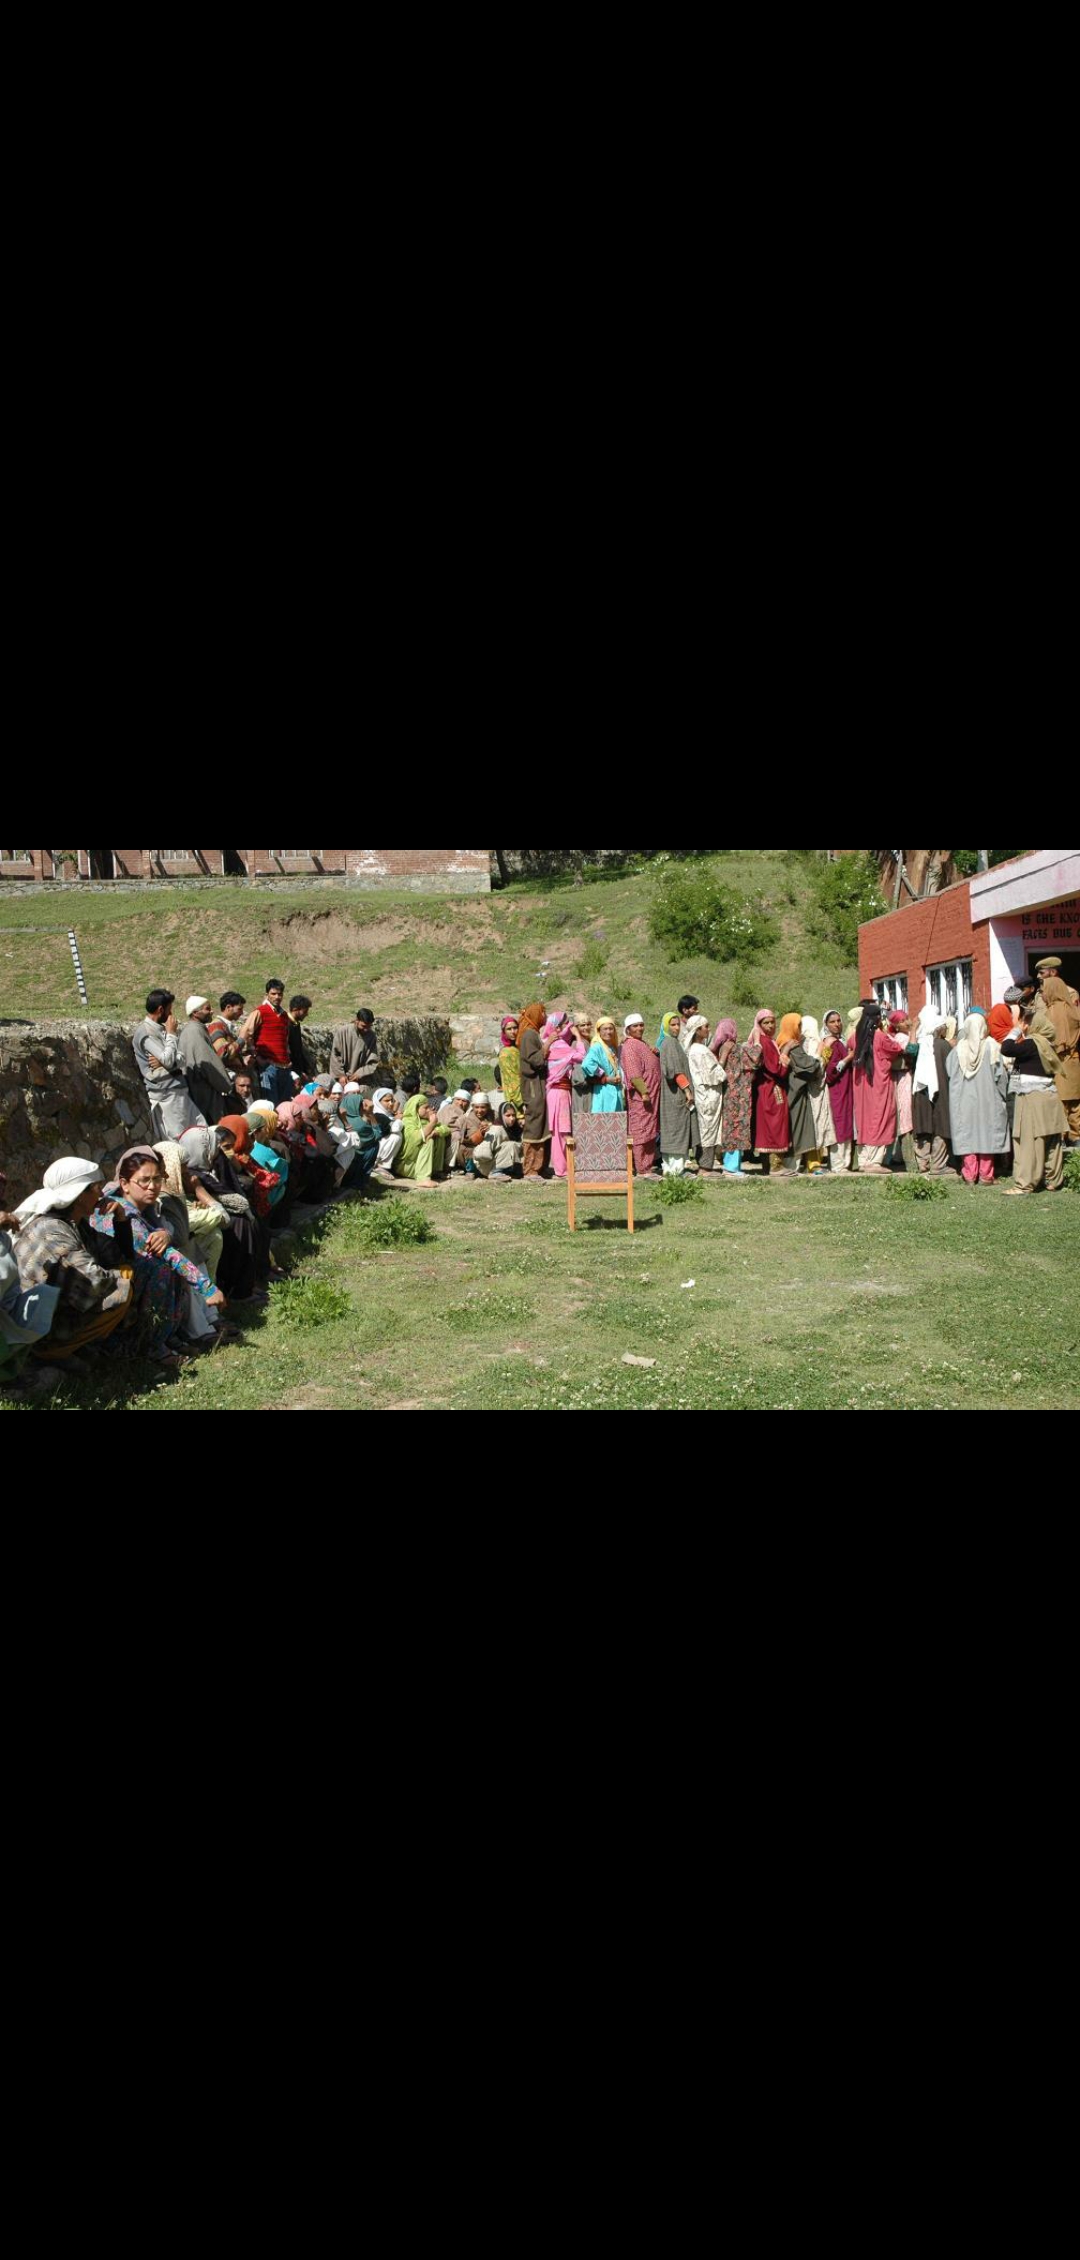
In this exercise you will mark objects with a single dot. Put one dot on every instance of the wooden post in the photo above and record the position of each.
(630, 1185)
(571, 1182)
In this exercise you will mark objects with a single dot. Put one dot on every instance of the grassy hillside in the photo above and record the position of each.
(587, 945)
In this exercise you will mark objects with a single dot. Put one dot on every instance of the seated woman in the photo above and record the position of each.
(26, 1313)
(503, 1141)
(424, 1149)
(245, 1264)
(312, 1152)
(388, 1122)
(198, 1219)
(178, 1299)
(269, 1153)
(91, 1303)
(358, 1108)
(258, 1181)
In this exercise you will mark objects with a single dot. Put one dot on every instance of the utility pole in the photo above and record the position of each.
(984, 859)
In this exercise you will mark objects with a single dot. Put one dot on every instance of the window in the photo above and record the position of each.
(892, 994)
(950, 988)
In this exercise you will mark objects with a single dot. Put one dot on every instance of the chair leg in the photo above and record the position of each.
(631, 1226)
(571, 1187)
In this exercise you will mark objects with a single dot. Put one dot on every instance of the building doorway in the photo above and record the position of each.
(1070, 964)
(233, 864)
(102, 863)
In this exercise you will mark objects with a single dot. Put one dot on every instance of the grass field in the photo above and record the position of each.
(805, 1297)
(586, 945)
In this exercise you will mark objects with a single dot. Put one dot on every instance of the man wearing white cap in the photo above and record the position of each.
(90, 1303)
(208, 1081)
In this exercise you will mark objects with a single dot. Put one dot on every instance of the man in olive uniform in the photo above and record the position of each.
(1062, 1005)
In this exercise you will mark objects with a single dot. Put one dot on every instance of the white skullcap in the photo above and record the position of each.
(195, 1004)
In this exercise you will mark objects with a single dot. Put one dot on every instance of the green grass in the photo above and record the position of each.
(806, 1297)
(586, 945)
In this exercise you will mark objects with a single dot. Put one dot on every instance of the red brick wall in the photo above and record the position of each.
(927, 933)
(463, 865)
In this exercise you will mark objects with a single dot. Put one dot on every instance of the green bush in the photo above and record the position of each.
(1072, 1173)
(693, 915)
(390, 1224)
(309, 1302)
(678, 1192)
(847, 895)
(916, 1189)
(593, 962)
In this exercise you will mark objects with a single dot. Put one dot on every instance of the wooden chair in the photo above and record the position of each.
(600, 1159)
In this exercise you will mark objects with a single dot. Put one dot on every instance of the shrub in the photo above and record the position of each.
(593, 962)
(847, 895)
(1072, 1173)
(309, 1302)
(390, 1224)
(693, 915)
(916, 1189)
(678, 1192)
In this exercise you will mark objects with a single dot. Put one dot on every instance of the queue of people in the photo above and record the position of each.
(149, 1257)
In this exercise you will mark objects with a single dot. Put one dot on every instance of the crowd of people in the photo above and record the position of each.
(149, 1258)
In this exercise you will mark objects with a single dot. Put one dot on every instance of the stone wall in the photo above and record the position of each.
(72, 1087)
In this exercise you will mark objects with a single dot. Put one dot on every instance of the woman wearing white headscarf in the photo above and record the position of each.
(709, 1080)
(391, 1130)
(819, 1096)
(930, 1095)
(25, 1315)
(92, 1303)
(978, 1100)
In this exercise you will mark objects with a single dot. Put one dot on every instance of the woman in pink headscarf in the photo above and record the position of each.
(641, 1074)
(567, 1053)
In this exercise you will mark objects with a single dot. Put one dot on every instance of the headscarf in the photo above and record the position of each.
(532, 1017)
(1000, 1023)
(694, 1027)
(292, 1115)
(256, 1121)
(811, 1036)
(853, 1019)
(756, 1036)
(137, 1154)
(665, 1025)
(512, 1020)
(1044, 1045)
(323, 1084)
(864, 1049)
(950, 1029)
(927, 1079)
(62, 1185)
(237, 1124)
(553, 1024)
(898, 1020)
(726, 1033)
(633, 1020)
(199, 1148)
(974, 1042)
(172, 1162)
(791, 1028)
(262, 1106)
(506, 1108)
(612, 1050)
(379, 1097)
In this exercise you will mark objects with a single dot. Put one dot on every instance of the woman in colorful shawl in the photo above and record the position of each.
(199, 1221)
(679, 1134)
(312, 1152)
(772, 1121)
(601, 1066)
(740, 1063)
(565, 1057)
(245, 1264)
(175, 1296)
(978, 1101)
(534, 1073)
(819, 1093)
(641, 1075)
(709, 1079)
(425, 1144)
(875, 1091)
(267, 1157)
(840, 1084)
(510, 1063)
(806, 1083)
(930, 1096)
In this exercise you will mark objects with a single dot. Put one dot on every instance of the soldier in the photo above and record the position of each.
(1062, 1005)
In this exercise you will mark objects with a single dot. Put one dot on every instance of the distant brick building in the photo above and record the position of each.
(440, 870)
(968, 944)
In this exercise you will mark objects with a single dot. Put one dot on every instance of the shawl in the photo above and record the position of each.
(755, 1033)
(293, 1114)
(666, 1025)
(237, 1124)
(532, 1017)
(975, 1041)
(61, 1187)
(726, 1033)
(926, 1069)
(693, 1028)
(1044, 1045)
(1000, 1023)
(791, 1028)
(172, 1162)
(551, 1027)
(811, 1036)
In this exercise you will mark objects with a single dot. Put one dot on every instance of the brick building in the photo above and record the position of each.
(971, 942)
(449, 870)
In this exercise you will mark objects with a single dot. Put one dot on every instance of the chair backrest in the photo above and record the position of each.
(600, 1143)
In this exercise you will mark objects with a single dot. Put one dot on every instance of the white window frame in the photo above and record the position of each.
(892, 992)
(950, 988)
